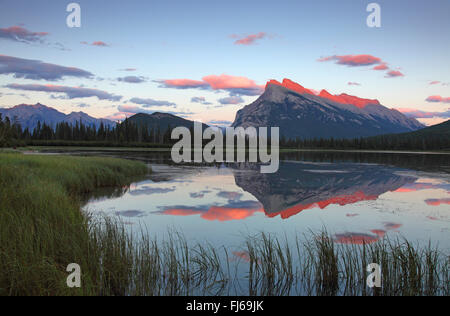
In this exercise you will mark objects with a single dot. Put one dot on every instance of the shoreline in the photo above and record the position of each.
(147, 149)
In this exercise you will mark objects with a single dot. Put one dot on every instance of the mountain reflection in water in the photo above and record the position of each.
(300, 186)
(357, 202)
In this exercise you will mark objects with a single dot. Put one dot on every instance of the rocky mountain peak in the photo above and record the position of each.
(341, 98)
(304, 113)
(28, 115)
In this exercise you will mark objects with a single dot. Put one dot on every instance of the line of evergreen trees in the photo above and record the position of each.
(12, 134)
(383, 142)
(9, 132)
(130, 134)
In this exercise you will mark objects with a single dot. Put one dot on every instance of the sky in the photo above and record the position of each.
(205, 60)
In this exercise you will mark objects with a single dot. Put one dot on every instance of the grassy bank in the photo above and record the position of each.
(42, 231)
(41, 227)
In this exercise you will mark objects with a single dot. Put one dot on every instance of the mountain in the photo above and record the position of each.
(29, 115)
(300, 112)
(436, 137)
(74, 117)
(440, 130)
(160, 120)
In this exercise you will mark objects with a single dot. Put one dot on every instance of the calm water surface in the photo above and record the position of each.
(357, 197)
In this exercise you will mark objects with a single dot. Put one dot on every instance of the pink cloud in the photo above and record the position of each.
(353, 84)
(394, 74)
(357, 238)
(437, 202)
(96, 43)
(391, 226)
(423, 114)
(242, 255)
(20, 34)
(432, 121)
(382, 66)
(119, 116)
(361, 238)
(426, 118)
(234, 84)
(215, 213)
(99, 43)
(183, 83)
(362, 60)
(434, 82)
(249, 39)
(353, 60)
(229, 82)
(415, 187)
(438, 98)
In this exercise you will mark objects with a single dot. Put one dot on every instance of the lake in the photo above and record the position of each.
(357, 197)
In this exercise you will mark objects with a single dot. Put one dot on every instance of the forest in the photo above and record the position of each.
(130, 134)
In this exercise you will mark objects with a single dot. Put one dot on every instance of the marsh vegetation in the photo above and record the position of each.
(43, 230)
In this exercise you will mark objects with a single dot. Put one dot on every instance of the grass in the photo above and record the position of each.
(315, 265)
(42, 230)
(96, 148)
(41, 227)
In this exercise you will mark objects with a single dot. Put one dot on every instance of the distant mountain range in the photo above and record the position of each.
(300, 112)
(29, 115)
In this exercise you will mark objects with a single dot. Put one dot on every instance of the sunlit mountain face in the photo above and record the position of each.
(343, 98)
(358, 202)
(304, 113)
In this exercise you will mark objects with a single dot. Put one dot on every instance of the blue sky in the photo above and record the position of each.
(194, 40)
